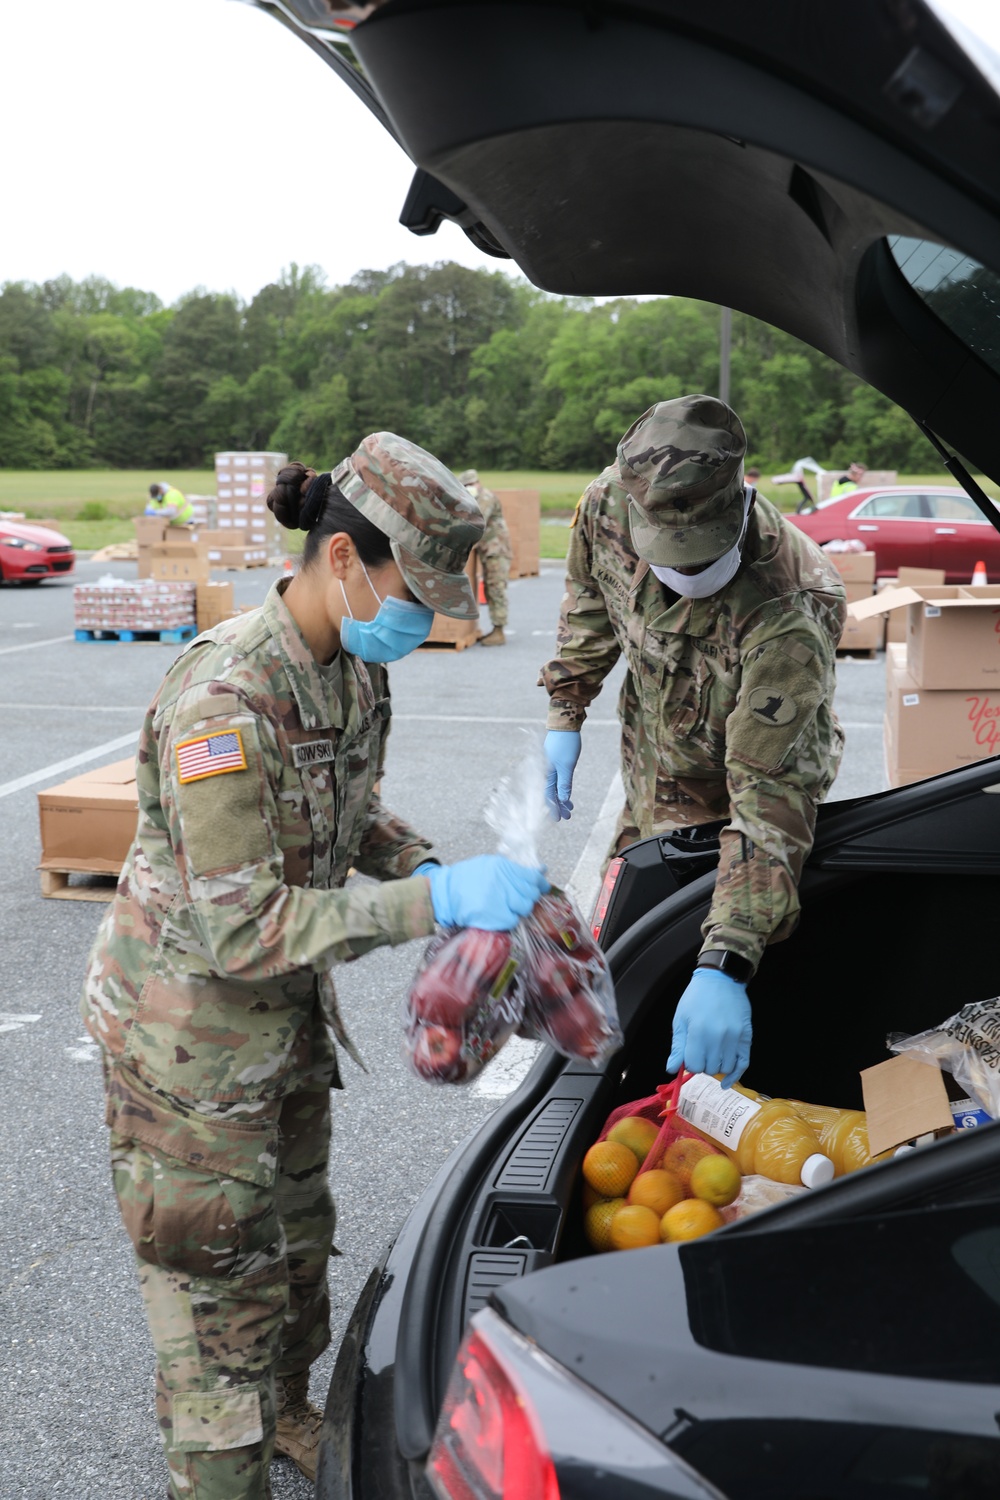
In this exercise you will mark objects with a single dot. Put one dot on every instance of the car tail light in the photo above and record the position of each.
(489, 1444)
(607, 891)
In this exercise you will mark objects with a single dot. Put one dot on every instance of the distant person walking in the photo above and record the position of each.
(495, 555)
(171, 504)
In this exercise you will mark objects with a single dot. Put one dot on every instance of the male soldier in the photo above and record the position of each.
(495, 553)
(728, 619)
(170, 503)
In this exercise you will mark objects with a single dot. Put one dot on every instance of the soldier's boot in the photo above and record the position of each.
(298, 1423)
(496, 637)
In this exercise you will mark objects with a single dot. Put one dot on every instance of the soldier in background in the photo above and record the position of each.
(728, 618)
(209, 989)
(495, 554)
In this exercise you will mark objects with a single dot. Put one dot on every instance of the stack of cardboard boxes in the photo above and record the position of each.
(943, 681)
(87, 825)
(857, 569)
(242, 482)
(522, 513)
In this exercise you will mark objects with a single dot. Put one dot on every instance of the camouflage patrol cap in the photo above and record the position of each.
(469, 476)
(682, 466)
(431, 520)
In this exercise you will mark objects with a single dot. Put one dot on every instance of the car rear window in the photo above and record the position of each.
(961, 292)
(887, 507)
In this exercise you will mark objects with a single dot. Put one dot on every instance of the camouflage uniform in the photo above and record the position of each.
(495, 550)
(210, 996)
(726, 708)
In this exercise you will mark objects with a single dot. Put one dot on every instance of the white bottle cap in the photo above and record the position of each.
(816, 1170)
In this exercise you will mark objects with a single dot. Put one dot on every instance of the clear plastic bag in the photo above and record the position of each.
(758, 1193)
(547, 980)
(463, 1004)
(967, 1046)
(563, 980)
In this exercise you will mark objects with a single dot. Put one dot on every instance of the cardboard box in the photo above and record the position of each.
(222, 536)
(522, 514)
(854, 567)
(952, 634)
(149, 530)
(904, 1099)
(213, 603)
(930, 730)
(177, 560)
(859, 635)
(895, 620)
(89, 823)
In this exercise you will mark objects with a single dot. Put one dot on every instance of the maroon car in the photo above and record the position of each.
(29, 554)
(923, 526)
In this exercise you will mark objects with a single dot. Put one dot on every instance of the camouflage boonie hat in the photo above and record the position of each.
(431, 520)
(682, 466)
(469, 476)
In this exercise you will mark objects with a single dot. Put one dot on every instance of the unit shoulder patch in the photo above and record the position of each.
(211, 754)
(770, 706)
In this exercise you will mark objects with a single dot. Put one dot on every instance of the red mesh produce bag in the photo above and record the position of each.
(463, 1004)
(569, 999)
(661, 1110)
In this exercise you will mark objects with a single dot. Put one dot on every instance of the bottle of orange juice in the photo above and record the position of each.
(843, 1133)
(763, 1136)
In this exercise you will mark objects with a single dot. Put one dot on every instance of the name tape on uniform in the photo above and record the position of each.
(312, 753)
(210, 755)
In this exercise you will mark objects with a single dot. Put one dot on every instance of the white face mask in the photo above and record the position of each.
(718, 573)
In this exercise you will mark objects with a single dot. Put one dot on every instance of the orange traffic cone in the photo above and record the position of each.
(482, 590)
(289, 570)
(979, 573)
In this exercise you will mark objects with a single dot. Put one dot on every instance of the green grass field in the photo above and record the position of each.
(94, 507)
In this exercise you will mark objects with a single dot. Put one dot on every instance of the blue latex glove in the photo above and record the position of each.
(562, 751)
(152, 510)
(712, 1027)
(487, 891)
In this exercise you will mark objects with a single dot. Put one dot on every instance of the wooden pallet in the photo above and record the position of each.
(173, 637)
(448, 645)
(56, 886)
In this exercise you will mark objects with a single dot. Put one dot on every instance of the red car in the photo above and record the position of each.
(922, 527)
(28, 554)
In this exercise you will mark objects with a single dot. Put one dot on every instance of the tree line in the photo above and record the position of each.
(475, 366)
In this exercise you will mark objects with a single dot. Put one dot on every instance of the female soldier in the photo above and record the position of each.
(208, 988)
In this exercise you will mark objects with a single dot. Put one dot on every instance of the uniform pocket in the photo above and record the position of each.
(194, 1222)
(214, 1421)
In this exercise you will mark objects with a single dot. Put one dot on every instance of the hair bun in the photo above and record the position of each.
(285, 500)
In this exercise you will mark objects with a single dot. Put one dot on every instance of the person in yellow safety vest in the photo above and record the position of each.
(171, 504)
(849, 481)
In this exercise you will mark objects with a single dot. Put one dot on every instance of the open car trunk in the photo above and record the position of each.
(898, 931)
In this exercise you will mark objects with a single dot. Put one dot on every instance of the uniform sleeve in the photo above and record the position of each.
(783, 749)
(586, 644)
(219, 765)
(495, 540)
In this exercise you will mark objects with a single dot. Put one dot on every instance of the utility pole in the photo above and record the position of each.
(725, 344)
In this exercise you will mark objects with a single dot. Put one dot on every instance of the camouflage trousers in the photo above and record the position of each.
(233, 1276)
(495, 563)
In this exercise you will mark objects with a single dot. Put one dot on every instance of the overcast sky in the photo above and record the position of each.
(169, 144)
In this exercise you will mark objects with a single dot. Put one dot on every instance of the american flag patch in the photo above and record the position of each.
(210, 755)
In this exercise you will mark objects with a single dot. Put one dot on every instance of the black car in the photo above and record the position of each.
(833, 169)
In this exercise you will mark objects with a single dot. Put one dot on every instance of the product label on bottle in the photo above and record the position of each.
(720, 1113)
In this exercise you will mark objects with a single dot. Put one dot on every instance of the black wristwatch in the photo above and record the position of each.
(732, 964)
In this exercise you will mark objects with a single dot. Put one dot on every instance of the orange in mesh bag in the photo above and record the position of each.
(676, 1177)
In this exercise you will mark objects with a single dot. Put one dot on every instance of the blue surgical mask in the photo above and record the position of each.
(398, 628)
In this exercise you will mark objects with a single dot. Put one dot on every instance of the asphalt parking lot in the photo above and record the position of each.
(76, 1415)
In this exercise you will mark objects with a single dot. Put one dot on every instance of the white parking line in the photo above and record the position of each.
(13, 1021)
(52, 640)
(58, 766)
(80, 708)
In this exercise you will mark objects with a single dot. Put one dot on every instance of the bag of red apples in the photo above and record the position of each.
(547, 980)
